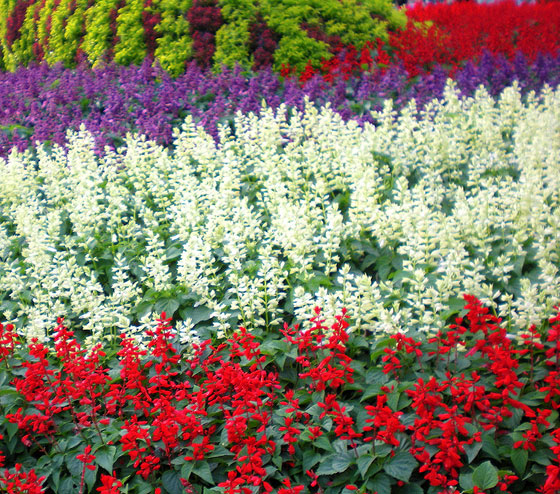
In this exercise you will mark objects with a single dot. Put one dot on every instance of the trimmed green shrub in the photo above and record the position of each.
(298, 32)
(98, 37)
(354, 23)
(130, 47)
(174, 47)
(232, 39)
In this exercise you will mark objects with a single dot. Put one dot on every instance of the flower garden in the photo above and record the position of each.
(279, 247)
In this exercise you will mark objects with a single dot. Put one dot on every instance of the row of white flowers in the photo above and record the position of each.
(391, 221)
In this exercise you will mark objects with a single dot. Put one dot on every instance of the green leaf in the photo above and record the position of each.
(393, 400)
(336, 463)
(519, 457)
(172, 253)
(323, 443)
(319, 280)
(219, 452)
(104, 457)
(381, 484)
(466, 481)
(410, 489)
(74, 465)
(212, 490)
(202, 470)
(371, 391)
(167, 305)
(310, 460)
(67, 487)
(90, 477)
(172, 482)
(342, 461)
(186, 469)
(472, 450)
(401, 466)
(196, 314)
(364, 463)
(456, 303)
(56, 479)
(542, 457)
(485, 476)
(143, 309)
(533, 399)
(74, 441)
(144, 487)
(489, 446)
(12, 428)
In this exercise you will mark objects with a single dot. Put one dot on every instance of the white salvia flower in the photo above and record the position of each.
(437, 200)
(5, 243)
(186, 334)
(12, 279)
(125, 291)
(330, 239)
(158, 276)
(221, 324)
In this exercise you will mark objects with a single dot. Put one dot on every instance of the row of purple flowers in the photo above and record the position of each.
(39, 103)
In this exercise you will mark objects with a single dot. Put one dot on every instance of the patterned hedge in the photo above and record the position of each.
(212, 32)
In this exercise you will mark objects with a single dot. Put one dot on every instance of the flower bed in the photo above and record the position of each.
(182, 227)
(41, 104)
(392, 222)
(317, 410)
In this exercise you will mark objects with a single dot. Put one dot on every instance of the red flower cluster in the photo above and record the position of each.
(15, 21)
(8, 340)
(109, 485)
(448, 35)
(227, 400)
(460, 31)
(20, 482)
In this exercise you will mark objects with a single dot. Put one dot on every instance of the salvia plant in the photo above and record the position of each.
(392, 221)
(40, 104)
(317, 410)
(364, 164)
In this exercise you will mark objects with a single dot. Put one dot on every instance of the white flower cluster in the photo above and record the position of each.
(393, 221)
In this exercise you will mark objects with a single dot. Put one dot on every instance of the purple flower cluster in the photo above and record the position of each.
(39, 103)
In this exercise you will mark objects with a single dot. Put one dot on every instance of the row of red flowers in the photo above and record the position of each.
(450, 35)
(321, 410)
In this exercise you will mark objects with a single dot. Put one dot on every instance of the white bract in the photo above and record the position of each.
(394, 222)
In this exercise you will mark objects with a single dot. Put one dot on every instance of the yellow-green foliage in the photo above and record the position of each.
(74, 24)
(67, 29)
(74, 32)
(232, 39)
(131, 47)
(57, 48)
(97, 39)
(354, 21)
(22, 48)
(349, 19)
(174, 46)
(42, 35)
(6, 7)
